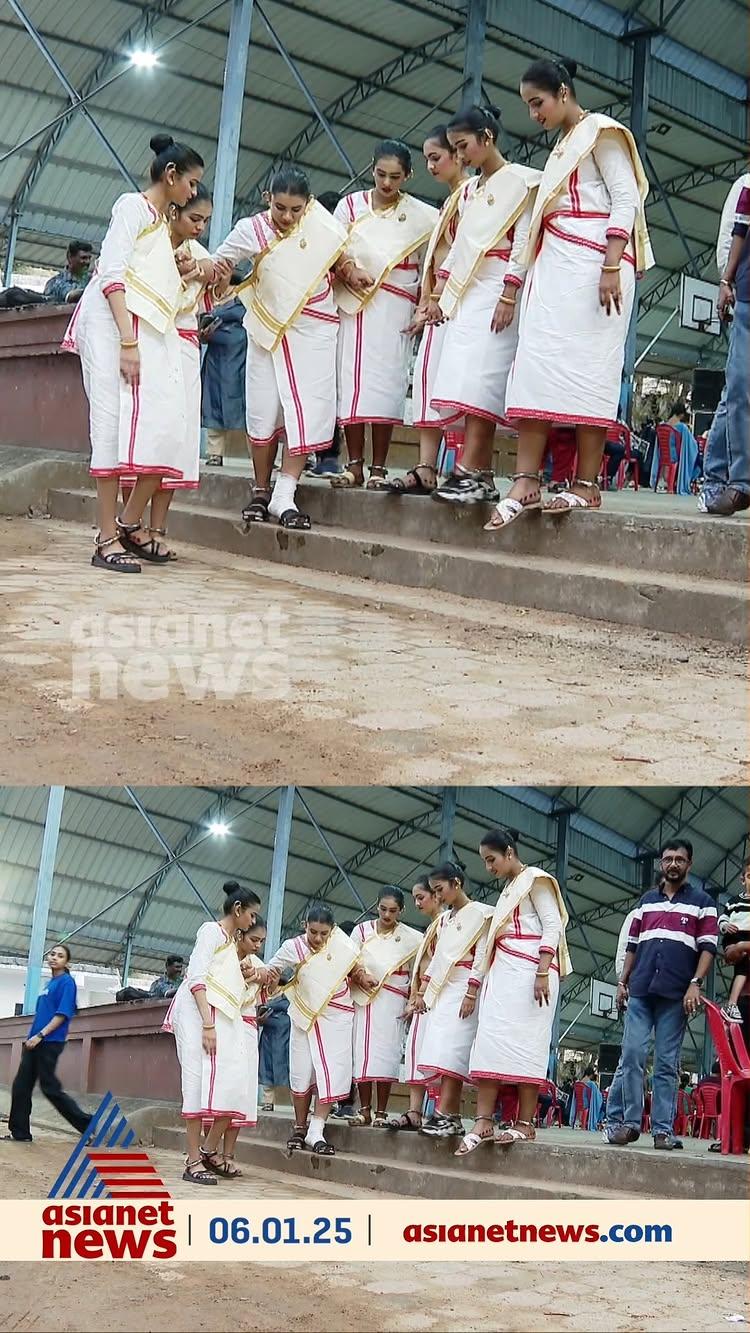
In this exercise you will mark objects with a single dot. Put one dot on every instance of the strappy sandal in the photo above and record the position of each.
(380, 1120)
(162, 532)
(470, 1142)
(377, 479)
(322, 1149)
(215, 460)
(296, 1139)
(148, 550)
(401, 486)
(231, 1171)
(567, 500)
(349, 480)
(216, 1162)
(257, 510)
(294, 518)
(363, 1117)
(198, 1177)
(507, 1137)
(121, 562)
(406, 1123)
(506, 511)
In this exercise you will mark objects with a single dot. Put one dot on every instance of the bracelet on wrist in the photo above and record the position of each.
(610, 268)
(209, 1026)
(508, 300)
(128, 342)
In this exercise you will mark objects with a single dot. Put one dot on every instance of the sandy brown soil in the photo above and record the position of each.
(371, 686)
(361, 1298)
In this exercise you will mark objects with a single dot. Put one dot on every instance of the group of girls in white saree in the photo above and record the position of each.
(469, 1001)
(521, 287)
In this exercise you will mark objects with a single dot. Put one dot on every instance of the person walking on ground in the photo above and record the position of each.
(671, 948)
(42, 1050)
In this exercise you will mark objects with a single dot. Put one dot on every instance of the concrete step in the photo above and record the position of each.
(440, 1179)
(664, 601)
(699, 546)
(415, 1165)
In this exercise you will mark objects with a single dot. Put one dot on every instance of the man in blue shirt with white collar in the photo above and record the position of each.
(671, 948)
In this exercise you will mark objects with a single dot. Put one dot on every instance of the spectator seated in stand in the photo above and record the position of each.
(163, 988)
(676, 456)
(67, 287)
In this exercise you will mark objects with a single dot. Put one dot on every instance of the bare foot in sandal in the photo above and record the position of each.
(470, 1142)
(524, 494)
(578, 495)
(352, 476)
(196, 1173)
(419, 480)
(507, 1137)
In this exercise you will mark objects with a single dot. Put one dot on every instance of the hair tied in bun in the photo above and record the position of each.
(160, 142)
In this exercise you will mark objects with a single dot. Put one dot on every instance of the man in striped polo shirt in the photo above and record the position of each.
(671, 948)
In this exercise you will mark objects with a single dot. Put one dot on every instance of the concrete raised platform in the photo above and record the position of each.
(560, 1165)
(671, 575)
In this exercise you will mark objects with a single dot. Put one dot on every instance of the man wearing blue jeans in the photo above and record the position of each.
(726, 464)
(671, 948)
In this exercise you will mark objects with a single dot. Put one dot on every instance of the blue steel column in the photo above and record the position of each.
(447, 821)
(561, 875)
(638, 126)
(278, 870)
(43, 898)
(230, 122)
(476, 28)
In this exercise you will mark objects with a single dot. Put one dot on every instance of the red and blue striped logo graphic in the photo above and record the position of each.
(104, 1166)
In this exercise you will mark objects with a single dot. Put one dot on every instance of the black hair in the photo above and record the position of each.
(449, 870)
(173, 958)
(440, 134)
(320, 913)
(166, 150)
(477, 120)
(391, 891)
(79, 248)
(684, 1080)
(347, 926)
(678, 409)
(233, 893)
(202, 195)
(551, 73)
(499, 839)
(290, 180)
(423, 882)
(393, 148)
(746, 862)
(258, 924)
(329, 199)
(672, 845)
(64, 947)
(589, 1072)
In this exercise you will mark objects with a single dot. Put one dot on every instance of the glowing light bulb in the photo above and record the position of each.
(144, 59)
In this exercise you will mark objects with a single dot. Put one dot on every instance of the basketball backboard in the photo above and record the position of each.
(602, 998)
(698, 305)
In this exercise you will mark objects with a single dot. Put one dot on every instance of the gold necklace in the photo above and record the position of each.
(559, 147)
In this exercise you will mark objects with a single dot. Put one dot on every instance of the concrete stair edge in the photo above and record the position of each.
(663, 602)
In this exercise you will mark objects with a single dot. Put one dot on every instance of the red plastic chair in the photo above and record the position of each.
(646, 1117)
(734, 1063)
(582, 1106)
(684, 1114)
(667, 441)
(707, 1111)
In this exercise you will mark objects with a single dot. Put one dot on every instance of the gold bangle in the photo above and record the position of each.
(129, 342)
(610, 268)
(508, 300)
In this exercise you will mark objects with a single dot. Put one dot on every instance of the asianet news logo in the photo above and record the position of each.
(102, 1173)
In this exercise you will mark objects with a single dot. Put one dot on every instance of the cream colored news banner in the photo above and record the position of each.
(167, 1230)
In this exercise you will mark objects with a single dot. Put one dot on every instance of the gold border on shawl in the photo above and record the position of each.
(366, 297)
(303, 1008)
(430, 931)
(458, 289)
(447, 212)
(470, 945)
(371, 995)
(142, 289)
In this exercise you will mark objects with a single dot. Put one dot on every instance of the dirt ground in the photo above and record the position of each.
(370, 685)
(368, 1298)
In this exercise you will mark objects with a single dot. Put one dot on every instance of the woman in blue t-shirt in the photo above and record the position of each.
(42, 1049)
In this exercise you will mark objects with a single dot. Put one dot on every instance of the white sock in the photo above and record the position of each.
(315, 1130)
(283, 495)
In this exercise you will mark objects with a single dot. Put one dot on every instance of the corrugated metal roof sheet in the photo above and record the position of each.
(334, 42)
(106, 849)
